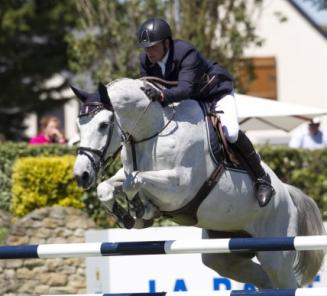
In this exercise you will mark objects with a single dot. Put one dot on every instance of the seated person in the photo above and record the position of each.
(311, 138)
(50, 133)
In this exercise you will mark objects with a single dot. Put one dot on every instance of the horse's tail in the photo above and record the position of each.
(309, 222)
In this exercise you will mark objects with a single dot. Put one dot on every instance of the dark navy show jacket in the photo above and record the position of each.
(186, 65)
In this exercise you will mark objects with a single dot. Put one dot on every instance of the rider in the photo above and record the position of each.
(200, 79)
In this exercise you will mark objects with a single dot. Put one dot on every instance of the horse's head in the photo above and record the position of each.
(99, 135)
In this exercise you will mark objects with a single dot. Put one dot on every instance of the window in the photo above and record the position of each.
(265, 82)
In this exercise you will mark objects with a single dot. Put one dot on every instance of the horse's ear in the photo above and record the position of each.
(82, 95)
(104, 97)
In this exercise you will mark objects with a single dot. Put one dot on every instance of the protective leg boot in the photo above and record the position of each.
(264, 189)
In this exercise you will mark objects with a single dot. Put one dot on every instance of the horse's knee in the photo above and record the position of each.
(105, 192)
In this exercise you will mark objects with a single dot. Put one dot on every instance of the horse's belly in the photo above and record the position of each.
(230, 206)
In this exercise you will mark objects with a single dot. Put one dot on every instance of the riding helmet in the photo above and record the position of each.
(153, 31)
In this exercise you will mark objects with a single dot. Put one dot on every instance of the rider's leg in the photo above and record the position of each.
(241, 142)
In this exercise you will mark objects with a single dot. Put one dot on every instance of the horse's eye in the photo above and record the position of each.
(103, 125)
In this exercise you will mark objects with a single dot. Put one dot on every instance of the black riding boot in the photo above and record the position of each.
(264, 189)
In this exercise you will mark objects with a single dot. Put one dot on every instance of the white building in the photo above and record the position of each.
(292, 63)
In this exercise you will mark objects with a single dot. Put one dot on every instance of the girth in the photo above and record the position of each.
(187, 214)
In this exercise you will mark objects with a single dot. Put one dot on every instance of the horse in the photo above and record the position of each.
(166, 159)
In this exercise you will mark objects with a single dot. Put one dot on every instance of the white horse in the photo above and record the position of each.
(171, 153)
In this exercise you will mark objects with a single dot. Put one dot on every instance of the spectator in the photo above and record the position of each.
(311, 138)
(50, 133)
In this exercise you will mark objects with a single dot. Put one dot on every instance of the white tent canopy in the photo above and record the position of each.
(262, 114)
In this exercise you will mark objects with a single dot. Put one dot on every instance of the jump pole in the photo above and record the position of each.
(298, 243)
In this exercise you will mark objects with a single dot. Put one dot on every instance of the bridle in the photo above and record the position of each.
(93, 108)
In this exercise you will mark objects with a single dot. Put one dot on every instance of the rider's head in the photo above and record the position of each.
(154, 36)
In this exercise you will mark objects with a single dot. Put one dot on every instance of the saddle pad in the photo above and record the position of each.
(215, 145)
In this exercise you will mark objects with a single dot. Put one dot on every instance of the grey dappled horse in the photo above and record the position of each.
(171, 153)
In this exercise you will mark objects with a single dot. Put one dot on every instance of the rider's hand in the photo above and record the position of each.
(152, 93)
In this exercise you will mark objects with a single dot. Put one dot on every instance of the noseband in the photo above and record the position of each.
(93, 108)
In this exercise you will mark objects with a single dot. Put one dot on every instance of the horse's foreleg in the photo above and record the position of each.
(109, 189)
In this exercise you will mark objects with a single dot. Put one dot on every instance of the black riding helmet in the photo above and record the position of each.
(153, 31)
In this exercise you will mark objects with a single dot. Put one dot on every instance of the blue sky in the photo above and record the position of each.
(320, 16)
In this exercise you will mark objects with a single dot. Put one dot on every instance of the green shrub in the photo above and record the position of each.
(3, 235)
(44, 181)
(305, 169)
(9, 152)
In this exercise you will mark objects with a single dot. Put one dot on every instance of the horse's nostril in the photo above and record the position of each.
(85, 176)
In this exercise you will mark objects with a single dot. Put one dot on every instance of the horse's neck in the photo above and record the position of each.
(141, 123)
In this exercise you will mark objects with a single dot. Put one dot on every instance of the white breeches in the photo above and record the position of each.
(229, 120)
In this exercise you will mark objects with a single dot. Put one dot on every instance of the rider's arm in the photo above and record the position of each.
(186, 78)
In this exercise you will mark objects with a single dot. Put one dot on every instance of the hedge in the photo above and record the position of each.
(10, 152)
(44, 181)
(303, 168)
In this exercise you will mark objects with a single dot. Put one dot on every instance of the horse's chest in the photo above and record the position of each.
(163, 155)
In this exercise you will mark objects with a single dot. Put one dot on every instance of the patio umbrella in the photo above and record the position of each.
(262, 114)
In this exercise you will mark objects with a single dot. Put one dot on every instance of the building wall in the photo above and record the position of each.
(300, 52)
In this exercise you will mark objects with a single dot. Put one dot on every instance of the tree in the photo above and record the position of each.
(106, 46)
(32, 50)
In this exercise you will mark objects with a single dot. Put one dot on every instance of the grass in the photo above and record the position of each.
(3, 235)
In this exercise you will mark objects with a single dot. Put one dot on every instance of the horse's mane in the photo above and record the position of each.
(111, 83)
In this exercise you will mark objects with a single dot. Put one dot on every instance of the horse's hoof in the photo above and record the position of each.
(128, 221)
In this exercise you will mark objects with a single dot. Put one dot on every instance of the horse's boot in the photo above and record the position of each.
(137, 206)
(264, 189)
(123, 216)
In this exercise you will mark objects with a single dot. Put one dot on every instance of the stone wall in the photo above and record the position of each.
(46, 276)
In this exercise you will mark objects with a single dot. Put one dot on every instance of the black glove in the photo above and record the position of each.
(152, 93)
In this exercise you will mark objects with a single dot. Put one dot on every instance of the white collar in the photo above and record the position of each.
(162, 63)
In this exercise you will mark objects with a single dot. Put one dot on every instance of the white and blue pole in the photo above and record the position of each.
(232, 245)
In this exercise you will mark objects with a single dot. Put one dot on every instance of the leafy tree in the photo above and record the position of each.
(32, 50)
(106, 46)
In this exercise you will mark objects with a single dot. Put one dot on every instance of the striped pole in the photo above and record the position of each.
(298, 243)
(268, 292)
